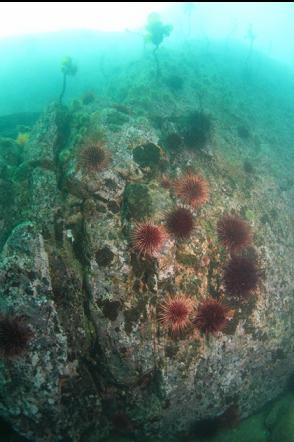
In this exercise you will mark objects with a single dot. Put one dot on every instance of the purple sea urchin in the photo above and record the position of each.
(234, 233)
(93, 156)
(15, 335)
(211, 317)
(241, 276)
(179, 222)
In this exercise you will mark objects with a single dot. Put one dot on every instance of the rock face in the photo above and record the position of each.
(100, 360)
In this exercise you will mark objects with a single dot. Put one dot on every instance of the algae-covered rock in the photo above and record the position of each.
(102, 359)
(7, 193)
(10, 152)
(137, 202)
(195, 128)
(11, 124)
(115, 118)
(52, 382)
(147, 155)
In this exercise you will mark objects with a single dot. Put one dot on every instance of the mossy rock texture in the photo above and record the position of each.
(102, 361)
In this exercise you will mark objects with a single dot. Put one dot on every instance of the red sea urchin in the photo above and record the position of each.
(241, 276)
(179, 222)
(15, 335)
(93, 156)
(148, 238)
(234, 233)
(192, 189)
(176, 313)
(211, 317)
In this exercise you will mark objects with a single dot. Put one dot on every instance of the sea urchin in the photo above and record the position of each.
(179, 222)
(192, 189)
(211, 317)
(15, 335)
(93, 156)
(234, 233)
(241, 276)
(148, 238)
(176, 312)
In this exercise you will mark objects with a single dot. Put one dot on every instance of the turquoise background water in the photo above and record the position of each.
(30, 63)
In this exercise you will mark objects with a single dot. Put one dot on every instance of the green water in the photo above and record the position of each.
(109, 333)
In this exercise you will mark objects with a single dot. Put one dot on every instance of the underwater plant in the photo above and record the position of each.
(156, 30)
(15, 336)
(192, 189)
(22, 138)
(175, 314)
(156, 33)
(68, 68)
(212, 316)
(241, 276)
(234, 233)
(180, 223)
(93, 155)
(188, 8)
(148, 238)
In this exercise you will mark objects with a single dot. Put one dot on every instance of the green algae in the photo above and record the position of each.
(137, 203)
(147, 155)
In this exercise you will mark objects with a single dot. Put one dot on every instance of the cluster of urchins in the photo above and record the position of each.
(179, 313)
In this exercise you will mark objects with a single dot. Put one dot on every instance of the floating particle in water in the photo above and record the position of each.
(175, 314)
(234, 233)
